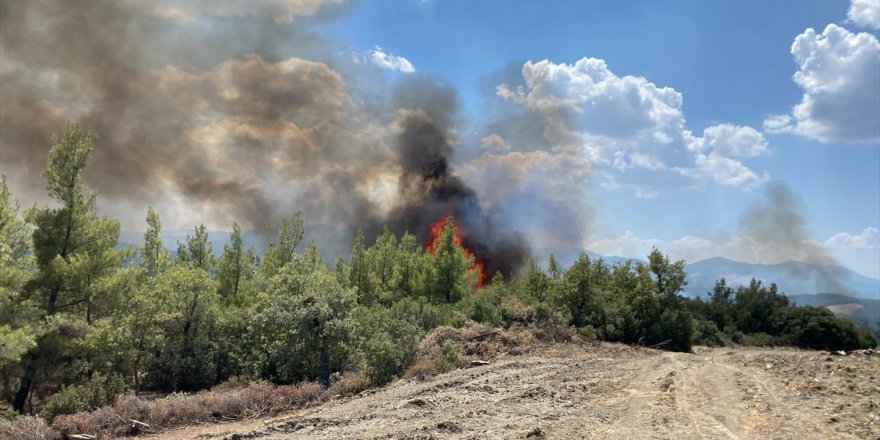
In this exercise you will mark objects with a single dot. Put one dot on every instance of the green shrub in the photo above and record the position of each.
(481, 308)
(98, 391)
(447, 360)
(817, 328)
(759, 339)
(382, 344)
(587, 332)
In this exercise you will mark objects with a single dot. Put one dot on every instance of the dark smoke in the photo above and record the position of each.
(779, 227)
(428, 189)
(225, 115)
(237, 117)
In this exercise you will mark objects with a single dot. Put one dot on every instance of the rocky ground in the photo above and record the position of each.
(571, 391)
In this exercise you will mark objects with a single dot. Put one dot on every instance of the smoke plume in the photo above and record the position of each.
(229, 111)
(428, 189)
(778, 228)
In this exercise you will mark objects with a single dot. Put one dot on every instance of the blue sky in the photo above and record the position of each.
(730, 61)
(606, 125)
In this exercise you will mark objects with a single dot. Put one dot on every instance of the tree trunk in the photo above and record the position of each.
(325, 362)
(24, 389)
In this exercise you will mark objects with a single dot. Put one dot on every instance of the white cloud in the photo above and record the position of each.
(724, 171)
(281, 11)
(839, 72)
(735, 141)
(494, 143)
(869, 238)
(390, 61)
(633, 126)
(865, 13)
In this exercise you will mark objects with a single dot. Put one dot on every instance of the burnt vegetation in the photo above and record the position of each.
(86, 324)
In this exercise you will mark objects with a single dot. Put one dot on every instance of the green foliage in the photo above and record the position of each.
(447, 360)
(235, 269)
(481, 307)
(299, 324)
(817, 328)
(196, 251)
(154, 255)
(19, 316)
(359, 271)
(760, 315)
(186, 314)
(280, 249)
(74, 251)
(452, 280)
(76, 311)
(96, 392)
(383, 343)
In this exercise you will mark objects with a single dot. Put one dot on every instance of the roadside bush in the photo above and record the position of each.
(383, 345)
(481, 308)
(818, 328)
(587, 332)
(759, 339)
(100, 390)
(448, 357)
(254, 400)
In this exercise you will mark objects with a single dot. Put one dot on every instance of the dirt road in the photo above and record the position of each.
(606, 391)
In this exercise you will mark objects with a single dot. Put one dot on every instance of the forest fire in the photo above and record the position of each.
(433, 243)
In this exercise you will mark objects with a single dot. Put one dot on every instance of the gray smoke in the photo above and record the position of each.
(779, 227)
(233, 111)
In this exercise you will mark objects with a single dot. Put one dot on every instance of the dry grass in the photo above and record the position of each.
(27, 428)
(223, 404)
(482, 342)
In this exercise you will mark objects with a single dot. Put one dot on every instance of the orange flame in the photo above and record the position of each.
(476, 266)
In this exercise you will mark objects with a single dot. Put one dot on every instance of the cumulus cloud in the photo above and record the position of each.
(723, 170)
(865, 13)
(388, 61)
(735, 141)
(839, 72)
(494, 143)
(869, 238)
(627, 123)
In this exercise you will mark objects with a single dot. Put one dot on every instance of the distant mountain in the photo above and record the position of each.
(792, 278)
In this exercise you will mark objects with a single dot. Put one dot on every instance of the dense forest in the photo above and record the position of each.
(83, 320)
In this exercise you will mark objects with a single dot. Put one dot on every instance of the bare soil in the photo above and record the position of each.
(600, 390)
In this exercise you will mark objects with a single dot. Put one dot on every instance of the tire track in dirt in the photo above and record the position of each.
(600, 391)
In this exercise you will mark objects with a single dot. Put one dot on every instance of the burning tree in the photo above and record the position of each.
(458, 270)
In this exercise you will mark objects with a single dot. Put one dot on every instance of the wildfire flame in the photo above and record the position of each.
(476, 266)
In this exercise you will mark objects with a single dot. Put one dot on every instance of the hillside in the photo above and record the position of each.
(602, 390)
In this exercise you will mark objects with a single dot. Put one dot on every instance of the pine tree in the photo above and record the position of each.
(452, 279)
(155, 256)
(19, 319)
(236, 265)
(73, 245)
(280, 250)
(196, 252)
(359, 270)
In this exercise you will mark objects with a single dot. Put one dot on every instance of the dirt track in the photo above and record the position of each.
(605, 391)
